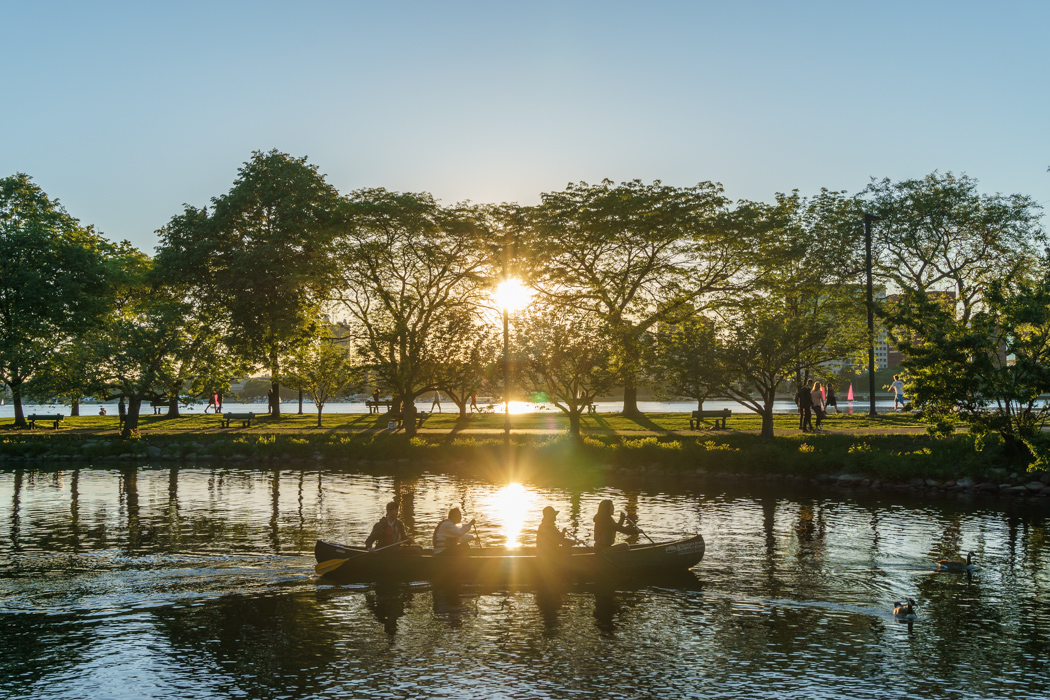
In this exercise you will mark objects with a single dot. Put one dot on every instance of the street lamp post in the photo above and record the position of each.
(868, 220)
(506, 371)
(511, 295)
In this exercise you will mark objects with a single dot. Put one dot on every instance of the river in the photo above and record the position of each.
(160, 582)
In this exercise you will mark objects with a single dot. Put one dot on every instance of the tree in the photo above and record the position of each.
(262, 257)
(470, 359)
(323, 370)
(804, 311)
(53, 282)
(567, 355)
(685, 355)
(149, 328)
(989, 371)
(410, 272)
(634, 254)
(941, 232)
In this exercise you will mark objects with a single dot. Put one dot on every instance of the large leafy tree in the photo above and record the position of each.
(144, 340)
(988, 372)
(686, 356)
(805, 309)
(941, 233)
(410, 273)
(53, 282)
(566, 354)
(634, 254)
(262, 257)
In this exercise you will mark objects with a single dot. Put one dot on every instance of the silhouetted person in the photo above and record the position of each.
(389, 530)
(548, 538)
(449, 536)
(605, 528)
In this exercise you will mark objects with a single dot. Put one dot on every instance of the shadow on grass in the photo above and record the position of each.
(645, 423)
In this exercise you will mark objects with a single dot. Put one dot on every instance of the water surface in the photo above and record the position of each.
(139, 581)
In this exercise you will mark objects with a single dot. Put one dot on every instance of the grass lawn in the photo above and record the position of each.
(741, 421)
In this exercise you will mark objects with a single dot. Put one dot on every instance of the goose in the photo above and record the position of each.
(904, 612)
(956, 564)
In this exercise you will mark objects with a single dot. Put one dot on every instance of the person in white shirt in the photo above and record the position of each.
(897, 387)
(449, 536)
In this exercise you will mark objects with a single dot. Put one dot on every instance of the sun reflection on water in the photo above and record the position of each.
(511, 506)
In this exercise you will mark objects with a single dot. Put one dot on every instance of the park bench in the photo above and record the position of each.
(157, 406)
(421, 417)
(698, 416)
(591, 408)
(374, 406)
(245, 419)
(44, 418)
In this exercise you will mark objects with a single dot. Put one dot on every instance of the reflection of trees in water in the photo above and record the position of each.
(38, 648)
(129, 504)
(451, 604)
(16, 509)
(261, 645)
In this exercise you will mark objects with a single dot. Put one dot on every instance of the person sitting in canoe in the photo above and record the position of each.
(605, 528)
(548, 539)
(388, 531)
(449, 536)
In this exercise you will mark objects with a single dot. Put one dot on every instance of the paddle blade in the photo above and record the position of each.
(329, 566)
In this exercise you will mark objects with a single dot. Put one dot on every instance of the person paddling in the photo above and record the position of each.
(549, 539)
(605, 528)
(449, 536)
(388, 531)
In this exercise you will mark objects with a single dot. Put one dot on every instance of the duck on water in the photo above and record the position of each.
(957, 565)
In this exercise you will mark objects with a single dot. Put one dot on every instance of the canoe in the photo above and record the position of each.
(519, 565)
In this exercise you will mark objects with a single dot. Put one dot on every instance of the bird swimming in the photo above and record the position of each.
(904, 612)
(956, 564)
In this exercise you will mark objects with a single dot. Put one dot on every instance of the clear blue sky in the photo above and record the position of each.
(125, 111)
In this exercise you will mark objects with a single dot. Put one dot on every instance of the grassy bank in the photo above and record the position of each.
(451, 423)
(892, 456)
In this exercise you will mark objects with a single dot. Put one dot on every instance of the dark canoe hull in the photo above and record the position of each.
(511, 566)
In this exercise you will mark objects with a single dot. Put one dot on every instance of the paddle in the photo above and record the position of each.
(635, 526)
(478, 535)
(325, 567)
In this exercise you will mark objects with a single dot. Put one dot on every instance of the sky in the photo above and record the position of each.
(127, 111)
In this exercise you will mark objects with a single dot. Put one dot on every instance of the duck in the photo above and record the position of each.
(904, 612)
(956, 564)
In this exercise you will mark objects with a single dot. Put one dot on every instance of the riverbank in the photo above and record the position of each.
(875, 457)
(437, 423)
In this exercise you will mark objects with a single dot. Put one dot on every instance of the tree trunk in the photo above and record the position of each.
(630, 397)
(74, 408)
(16, 398)
(319, 409)
(301, 406)
(700, 405)
(574, 423)
(275, 386)
(408, 417)
(767, 425)
(131, 422)
(462, 409)
(173, 407)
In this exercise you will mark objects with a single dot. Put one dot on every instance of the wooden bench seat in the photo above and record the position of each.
(698, 416)
(158, 406)
(374, 406)
(245, 419)
(56, 418)
(421, 417)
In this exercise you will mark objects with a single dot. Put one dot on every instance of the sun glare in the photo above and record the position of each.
(511, 507)
(512, 295)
